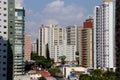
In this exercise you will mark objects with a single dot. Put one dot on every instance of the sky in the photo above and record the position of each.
(60, 12)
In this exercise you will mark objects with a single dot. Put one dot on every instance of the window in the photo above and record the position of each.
(11, 21)
(5, 26)
(4, 75)
(4, 2)
(4, 44)
(4, 56)
(4, 50)
(4, 62)
(4, 14)
(11, 2)
(4, 32)
(5, 8)
(4, 69)
(10, 26)
(11, 9)
(5, 20)
(11, 14)
(10, 32)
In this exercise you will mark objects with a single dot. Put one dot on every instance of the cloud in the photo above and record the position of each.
(56, 12)
(50, 21)
(32, 29)
(70, 14)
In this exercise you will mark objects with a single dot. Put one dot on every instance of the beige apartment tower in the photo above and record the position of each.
(85, 47)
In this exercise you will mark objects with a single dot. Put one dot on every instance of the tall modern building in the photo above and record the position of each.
(85, 43)
(42, 40)
(104, 35)
(55, 41)
(56, 38)
(27, 47)
(18, 56)
(11, 39)
(85, 47)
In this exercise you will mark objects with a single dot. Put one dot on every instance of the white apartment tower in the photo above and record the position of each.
(56, 38)
(42, 40)
(104, 35)
(11, 39)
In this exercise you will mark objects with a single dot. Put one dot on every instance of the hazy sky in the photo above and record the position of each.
(61, 12)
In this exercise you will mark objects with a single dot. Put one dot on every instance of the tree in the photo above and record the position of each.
(110, 75)
(28, 65)
(47, 52)
(54, 71)
(42, 78)
(41, 60)
(96, 73)
(84, 77)
(77, 56)
(77, 53)
(62, 59)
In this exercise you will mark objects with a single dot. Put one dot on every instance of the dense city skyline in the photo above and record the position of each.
(59, 39)
(61, 12)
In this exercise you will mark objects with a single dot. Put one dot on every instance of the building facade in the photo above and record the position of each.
(42, 40)
(104, 35)
(11, 39)
(18, 55)
(85, 47)
(27, 47)
(56, 38)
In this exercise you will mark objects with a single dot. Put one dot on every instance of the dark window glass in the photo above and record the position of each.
(4, 75)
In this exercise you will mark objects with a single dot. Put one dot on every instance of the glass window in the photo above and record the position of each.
(20, 13)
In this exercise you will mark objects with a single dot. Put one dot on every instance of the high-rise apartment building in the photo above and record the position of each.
(85, 43)
(56, 38)
(18, 56)
(67, 41)
(85, 47)
(42, 40)
(27, 47)
(71, 35)
(104, 35)
(11, 39)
